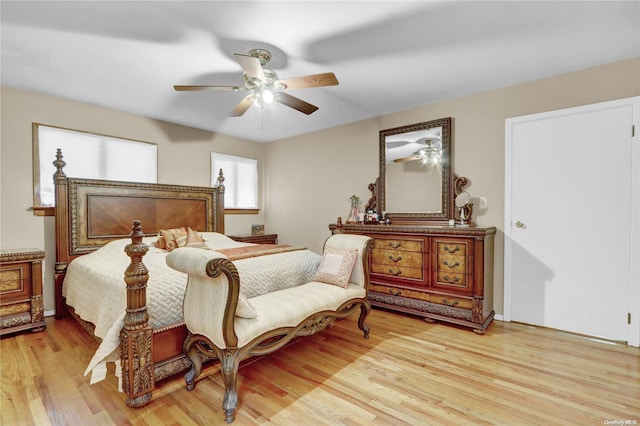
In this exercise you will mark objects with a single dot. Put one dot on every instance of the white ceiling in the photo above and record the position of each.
(387, 55)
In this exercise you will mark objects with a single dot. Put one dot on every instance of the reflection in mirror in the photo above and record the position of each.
(415, 172)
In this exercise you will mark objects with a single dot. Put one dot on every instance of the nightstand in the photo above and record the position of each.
(256, 239)
(21, 304)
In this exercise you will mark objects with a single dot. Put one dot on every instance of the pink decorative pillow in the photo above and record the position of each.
(336, 266)
(245, 309)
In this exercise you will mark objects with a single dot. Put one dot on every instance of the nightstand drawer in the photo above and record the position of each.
(21, 304)
(15, 280)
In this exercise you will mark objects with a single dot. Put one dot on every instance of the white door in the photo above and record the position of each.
(568, 219)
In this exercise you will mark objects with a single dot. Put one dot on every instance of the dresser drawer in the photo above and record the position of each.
(15, 281)
(451, 301)
(454, 264)
(397, 271)
(399, 244)
(455, 248)
(444, 278)
(401, 292)
(398, 258)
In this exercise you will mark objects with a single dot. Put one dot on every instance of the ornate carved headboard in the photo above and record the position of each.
(90, 213)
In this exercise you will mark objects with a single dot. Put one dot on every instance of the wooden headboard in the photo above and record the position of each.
(90, 213)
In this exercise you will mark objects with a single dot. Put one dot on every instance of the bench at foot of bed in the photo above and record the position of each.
(212, 300)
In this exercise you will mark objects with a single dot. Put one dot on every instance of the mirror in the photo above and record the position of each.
(462, 199)
(415, 172)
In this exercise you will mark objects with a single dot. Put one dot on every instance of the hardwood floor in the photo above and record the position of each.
(409, 372)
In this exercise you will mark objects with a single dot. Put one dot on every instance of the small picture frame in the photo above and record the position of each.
(257, 229)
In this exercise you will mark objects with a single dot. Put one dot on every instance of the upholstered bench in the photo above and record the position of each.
(223, 324)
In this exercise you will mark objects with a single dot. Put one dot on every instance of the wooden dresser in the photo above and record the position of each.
(442, 273)
(21, 304)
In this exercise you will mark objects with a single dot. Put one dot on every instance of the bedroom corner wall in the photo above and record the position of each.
(310, 177)
(183, 158)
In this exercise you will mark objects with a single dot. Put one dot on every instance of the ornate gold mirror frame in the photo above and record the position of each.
(441, 131)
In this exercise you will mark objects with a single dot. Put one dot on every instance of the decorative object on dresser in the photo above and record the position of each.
(21, 304)
(255, 239)
(429, 258)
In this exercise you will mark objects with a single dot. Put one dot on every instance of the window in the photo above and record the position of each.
(240, 180)
(88, 156)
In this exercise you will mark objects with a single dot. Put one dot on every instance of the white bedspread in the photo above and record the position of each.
(94, 286)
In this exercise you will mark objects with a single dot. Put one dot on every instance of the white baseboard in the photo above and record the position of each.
(49, 313)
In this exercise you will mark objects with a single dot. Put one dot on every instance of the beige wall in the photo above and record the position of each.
(311, 177)
(183, 159)
(307, 179)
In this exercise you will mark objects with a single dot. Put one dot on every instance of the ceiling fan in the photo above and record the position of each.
(430, 154)
(264, 85)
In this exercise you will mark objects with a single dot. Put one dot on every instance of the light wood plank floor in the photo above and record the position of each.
(408, 373)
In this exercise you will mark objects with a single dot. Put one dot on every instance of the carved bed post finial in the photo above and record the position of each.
(338, 229)
(220, 180)
(137, 335)
(59, 163)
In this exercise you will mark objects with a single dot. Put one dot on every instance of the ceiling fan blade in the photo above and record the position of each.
(189, 88)
(295, 103)
(242, 107)
(250, 65)
(410, 158)
(315, 80)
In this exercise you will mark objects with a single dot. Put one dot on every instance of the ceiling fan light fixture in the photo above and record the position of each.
(267, 96)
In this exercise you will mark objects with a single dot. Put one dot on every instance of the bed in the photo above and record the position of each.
(112, 279)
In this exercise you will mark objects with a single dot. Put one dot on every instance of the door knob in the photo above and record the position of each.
(519, 224)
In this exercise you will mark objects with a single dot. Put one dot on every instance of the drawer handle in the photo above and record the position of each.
(394, 292)
(397, 259)
(451, 280)
(451, 266)
(395, 244)
(395, 273)
(452, 249)
(452, 303)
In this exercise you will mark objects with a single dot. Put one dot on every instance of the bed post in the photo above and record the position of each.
(61, 213)
(136, 336)
(218, 215)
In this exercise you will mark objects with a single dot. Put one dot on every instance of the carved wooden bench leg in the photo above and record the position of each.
(191, 349)
(365, 308)
(230, 363)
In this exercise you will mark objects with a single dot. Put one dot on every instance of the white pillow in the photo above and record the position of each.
(245, 309)
(336, 266)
